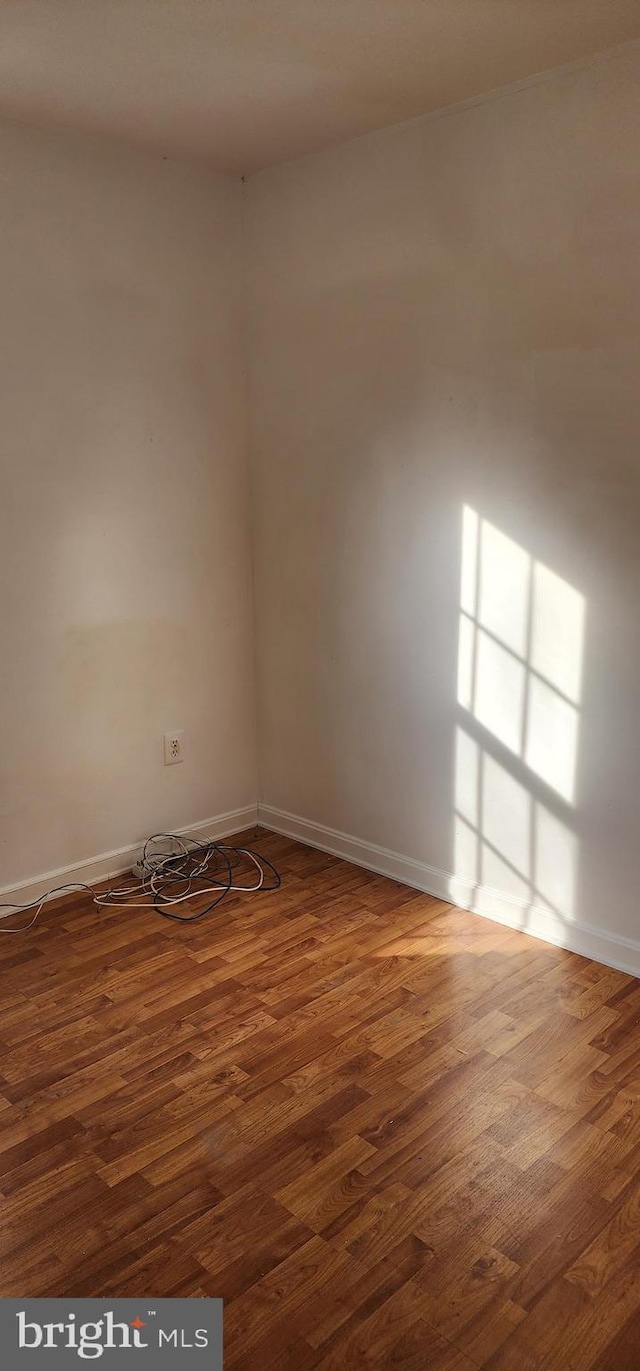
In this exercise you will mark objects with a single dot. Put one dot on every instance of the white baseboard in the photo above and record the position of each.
(114, 863)
(588, 941)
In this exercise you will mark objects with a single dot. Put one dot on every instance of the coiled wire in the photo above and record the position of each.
(173, 870)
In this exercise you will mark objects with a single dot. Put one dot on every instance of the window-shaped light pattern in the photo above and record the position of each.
(519, 681)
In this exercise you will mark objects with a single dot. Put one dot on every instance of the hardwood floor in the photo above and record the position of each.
(390, 1134)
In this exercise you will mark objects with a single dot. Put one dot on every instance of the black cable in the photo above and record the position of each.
(224, 850)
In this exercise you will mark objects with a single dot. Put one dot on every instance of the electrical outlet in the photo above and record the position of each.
(173, 748)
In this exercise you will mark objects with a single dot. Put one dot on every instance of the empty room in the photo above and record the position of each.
(320, 670)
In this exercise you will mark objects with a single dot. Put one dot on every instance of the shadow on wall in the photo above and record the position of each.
(520, 660)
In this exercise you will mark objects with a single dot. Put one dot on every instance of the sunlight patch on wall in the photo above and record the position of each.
(505, 838)
(520, 652)
(519, 681)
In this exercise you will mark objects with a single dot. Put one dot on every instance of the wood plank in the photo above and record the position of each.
(386, 1132)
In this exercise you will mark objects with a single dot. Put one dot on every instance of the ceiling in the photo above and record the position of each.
(242, 84)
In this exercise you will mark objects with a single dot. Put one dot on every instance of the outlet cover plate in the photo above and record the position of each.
(173, 747)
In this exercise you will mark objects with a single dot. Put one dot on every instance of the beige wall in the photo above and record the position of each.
(124, 514)
(447, 315)
(443, 348)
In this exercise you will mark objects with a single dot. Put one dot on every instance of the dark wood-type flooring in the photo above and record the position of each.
(389, 1133)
